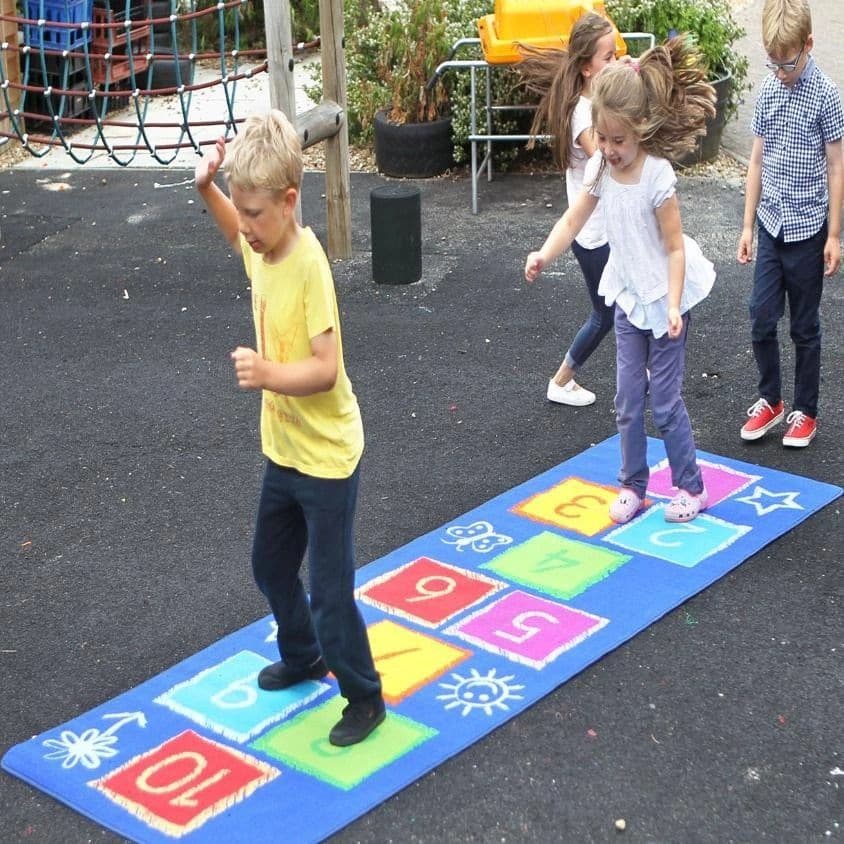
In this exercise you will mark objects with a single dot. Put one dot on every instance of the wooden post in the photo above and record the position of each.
(280, 57)
(11, 63)
(280, 63)
(283, 96)
(337, 181)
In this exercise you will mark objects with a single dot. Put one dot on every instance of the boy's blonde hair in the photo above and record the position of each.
(786, 26)
(265, 155)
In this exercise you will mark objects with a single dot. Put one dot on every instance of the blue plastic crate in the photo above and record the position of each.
(52, 37)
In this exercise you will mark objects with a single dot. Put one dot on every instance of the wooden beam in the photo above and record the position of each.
(337, 180)
(319, 123)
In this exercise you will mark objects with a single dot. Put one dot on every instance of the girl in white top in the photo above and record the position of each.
(643, 113)
(564, 80)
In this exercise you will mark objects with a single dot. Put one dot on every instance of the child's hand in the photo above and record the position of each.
(209, 164)
(745, 247)
(248, 367)
(675, 323)
(831, 257)
(533, 266)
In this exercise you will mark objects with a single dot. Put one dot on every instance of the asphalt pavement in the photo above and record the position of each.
(129, 473)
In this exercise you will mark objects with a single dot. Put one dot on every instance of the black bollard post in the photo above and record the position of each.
(396, 219)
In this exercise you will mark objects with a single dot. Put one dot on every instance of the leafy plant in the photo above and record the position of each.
(304, 20)
(391, 58)
(506, 88)
(245, 22)
(710, 22)
(393, 54)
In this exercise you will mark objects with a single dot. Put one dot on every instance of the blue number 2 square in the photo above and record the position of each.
(685, 544)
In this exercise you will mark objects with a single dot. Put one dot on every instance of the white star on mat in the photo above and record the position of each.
(784, 501)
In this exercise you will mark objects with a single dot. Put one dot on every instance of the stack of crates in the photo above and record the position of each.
(47, 35)
(56, 74)
(127, 47)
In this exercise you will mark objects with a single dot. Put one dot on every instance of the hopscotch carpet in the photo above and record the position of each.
(469, 624)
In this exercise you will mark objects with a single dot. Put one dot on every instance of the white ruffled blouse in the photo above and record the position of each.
(636, 274)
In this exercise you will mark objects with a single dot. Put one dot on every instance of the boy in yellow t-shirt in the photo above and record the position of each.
(311, 430)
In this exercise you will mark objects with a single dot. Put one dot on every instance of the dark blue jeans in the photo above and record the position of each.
(600, 321)
(298, 511)
(793, 270)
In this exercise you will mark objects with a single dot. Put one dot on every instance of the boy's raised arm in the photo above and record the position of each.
(221, 207)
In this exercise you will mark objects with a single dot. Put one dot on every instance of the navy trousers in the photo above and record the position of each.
(793, 271)
(298, 511)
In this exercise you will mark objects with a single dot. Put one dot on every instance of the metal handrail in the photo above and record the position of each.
(489, 138)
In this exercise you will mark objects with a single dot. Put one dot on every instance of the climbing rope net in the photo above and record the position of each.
(93, 77)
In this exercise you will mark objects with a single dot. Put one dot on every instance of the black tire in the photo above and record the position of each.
(162, 31)
(413, 150)
(164, 73)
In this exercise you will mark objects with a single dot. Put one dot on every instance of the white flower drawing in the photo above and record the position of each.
(91, 746)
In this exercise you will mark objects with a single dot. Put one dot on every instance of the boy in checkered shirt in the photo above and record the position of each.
(795, 183)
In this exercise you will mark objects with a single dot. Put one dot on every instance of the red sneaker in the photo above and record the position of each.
(763, 417)
(801, 429)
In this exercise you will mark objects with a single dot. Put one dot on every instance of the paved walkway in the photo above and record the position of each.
(208, 104)
(828, 24)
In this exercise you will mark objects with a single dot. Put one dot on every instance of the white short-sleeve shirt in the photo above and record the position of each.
(636, 274)
(593, 234)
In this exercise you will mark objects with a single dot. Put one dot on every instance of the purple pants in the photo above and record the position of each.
(636, 352)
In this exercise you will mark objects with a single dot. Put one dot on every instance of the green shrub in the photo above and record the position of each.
(711, 23)
(242, 25)
(393, 54)
(389, 61)
(248, 21)
(304, 19)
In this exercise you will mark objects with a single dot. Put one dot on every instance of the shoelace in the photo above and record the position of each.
(796, 418)
(758, 408)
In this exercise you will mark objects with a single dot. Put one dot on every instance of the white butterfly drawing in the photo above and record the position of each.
(479, 536)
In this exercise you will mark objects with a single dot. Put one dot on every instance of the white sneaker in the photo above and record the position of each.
(570, 393)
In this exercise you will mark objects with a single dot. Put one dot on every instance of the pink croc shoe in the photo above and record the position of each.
(685, 506)
(625, 506)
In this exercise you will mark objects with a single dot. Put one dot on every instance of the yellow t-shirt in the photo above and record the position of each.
(293, 301)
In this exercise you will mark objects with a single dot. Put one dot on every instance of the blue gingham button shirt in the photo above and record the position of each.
(796, 124)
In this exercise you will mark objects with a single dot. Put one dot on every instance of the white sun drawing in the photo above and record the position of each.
(486, 692)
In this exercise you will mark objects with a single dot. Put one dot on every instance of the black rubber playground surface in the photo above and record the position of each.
(129, 471)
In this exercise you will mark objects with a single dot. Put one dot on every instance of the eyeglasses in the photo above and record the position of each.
(786, 67)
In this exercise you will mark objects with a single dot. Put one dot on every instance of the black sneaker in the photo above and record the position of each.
(281, 676)
(358, 721)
